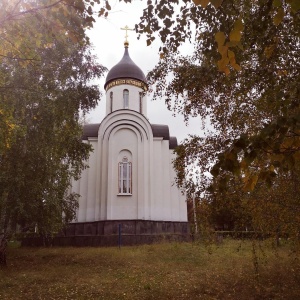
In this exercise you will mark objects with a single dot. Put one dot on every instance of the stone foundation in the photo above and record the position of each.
(106, 233)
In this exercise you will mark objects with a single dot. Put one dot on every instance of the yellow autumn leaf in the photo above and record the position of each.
(38, 43)
(236, 66)
(216, 3)
(276, 3)
(295, 5)
(197, 2)
(269, 51)
(222, 64)
(239, 44)
(24, 63)
(226, 71)
(289, 143)
(231, 54)
(277, 157)
(223, 51)
(12, 126)
(220, 38)
(238, 25)
(232, 61)
(204, 3)
(250, 183)
(279, 16)
(231, 44)
(231, 57)
(282, 72)
(235, 35)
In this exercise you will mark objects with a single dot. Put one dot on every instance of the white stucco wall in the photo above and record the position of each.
(92, 175)
(124, 141)
(83, 189)
(126, 132)
(178, 199)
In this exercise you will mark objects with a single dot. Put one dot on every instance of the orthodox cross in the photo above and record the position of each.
(126, 28)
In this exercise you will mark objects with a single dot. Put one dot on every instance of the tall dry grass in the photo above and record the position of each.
(160, 271)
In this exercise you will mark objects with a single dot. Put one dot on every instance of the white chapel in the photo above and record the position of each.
(130, 174)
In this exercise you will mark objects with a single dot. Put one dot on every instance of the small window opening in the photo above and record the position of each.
(125, 176)
(141, 103)
(126, 98)
(111, 101)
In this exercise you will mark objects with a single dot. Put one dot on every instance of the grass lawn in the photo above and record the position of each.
(159, 271)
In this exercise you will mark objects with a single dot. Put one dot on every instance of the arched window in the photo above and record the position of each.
(141, 103)
(111, 101)
(125, 176)
(126, 98)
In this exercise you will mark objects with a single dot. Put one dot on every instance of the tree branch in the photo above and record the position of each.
(19, 58)
(29, 11)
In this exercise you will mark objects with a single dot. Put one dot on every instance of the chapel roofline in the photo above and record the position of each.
(158, 130)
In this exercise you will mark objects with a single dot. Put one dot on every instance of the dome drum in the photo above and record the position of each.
(123, 81)
(125, 72)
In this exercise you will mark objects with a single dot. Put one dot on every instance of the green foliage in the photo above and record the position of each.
(255, 111)
(55, 20)
(26, 26)
(242, 80)
(240, 204)
(44, 82)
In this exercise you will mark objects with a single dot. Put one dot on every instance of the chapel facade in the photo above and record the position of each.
(130, 179)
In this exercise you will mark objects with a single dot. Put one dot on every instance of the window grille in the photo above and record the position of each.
(125, 176)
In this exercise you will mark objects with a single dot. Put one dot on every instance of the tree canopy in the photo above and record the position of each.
(243, 76)
(242, 79)
(45, 74)
(26, 27)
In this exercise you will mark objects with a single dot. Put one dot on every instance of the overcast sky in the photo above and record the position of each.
(108, 40)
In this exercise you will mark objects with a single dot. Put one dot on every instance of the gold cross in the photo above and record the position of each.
(126, 28)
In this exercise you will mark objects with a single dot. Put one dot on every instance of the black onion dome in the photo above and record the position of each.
(125, 68)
